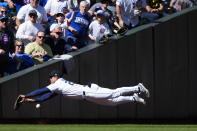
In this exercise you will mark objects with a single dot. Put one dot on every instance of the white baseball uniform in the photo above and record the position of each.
(95, 93)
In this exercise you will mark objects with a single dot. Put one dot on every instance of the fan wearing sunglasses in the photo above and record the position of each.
(19, 60)
(39, 51)
(55, 41)
(27, 31)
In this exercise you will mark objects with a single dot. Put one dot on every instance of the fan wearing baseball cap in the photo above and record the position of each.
(109, 12)
(98, 28)
(27, 31)
(55, 41)
(6, 43)
(62, 21)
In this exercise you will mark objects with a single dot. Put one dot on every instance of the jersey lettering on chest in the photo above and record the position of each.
(69, 82)
(82, 21)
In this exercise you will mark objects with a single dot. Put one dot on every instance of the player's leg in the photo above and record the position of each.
(118, 100)
(97, 92)
(140, 88)
(94, 91)
(126, 99)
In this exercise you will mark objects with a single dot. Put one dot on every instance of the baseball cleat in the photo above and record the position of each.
(143, 89)
(19, 100)
(138, 99)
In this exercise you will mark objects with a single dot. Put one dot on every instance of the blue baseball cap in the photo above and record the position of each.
(100, 12)
(97, 8)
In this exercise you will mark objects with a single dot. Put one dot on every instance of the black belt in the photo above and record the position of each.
(84, 94)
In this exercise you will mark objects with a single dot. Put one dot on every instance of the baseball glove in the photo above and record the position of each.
(19, 100)
(104, 39)
(122, 31)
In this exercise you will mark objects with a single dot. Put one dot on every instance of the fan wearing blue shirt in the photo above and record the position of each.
(19, 60)
(78, 28)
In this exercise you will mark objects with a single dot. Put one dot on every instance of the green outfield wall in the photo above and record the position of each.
(162, 55)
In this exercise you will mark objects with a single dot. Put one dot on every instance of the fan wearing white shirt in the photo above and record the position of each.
(98, 28)
(23, 15)
(63, 22)
(53, 7)
(127, 14)
(27, 31)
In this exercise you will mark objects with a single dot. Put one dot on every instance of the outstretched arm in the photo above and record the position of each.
(37, 92)
(42, 98)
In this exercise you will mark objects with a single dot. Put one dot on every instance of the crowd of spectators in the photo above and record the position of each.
(34, 31)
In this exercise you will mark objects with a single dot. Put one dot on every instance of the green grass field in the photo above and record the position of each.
(94, 127)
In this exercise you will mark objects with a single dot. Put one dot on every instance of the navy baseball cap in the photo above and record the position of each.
(55, 73)
(60, 14)
(32, 12)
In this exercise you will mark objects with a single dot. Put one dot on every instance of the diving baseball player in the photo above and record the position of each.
(92, 92)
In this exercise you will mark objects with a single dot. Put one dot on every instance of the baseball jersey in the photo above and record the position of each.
(64, 27)
(80, 23)
(77, 91)
(7, 41)
(23, 13)
(67, 88)
(98, 30)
